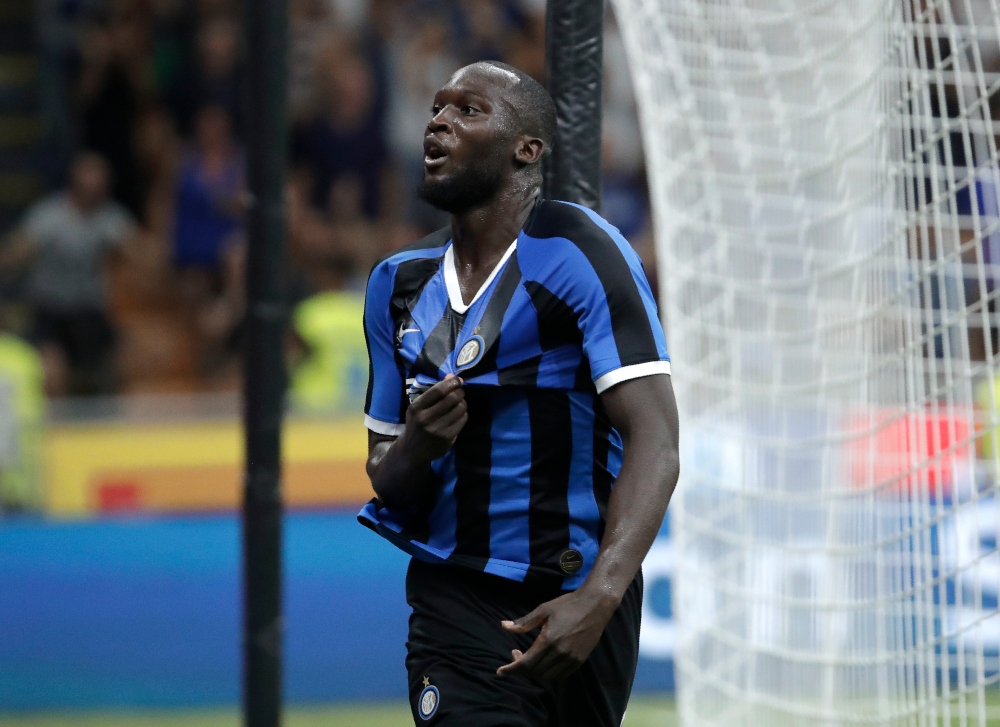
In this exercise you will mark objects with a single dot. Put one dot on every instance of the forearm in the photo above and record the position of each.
(400, 477)
(636, 509)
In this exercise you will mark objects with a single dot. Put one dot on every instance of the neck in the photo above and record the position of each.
(482, 235)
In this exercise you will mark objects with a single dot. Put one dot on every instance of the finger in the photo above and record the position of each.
(525, 664)
(442, 405)
(515, 654)
(430, 416)
(454, 400)
(455, 429)
(527, 623)
(437, 392)
(449, 419)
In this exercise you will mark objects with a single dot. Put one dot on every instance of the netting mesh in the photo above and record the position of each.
(825, 181)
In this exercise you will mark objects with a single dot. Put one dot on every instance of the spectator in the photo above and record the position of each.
(329, 359)
(62, 245)
(310, 26)
(113, 83)
(22, 411)
(214, 77)
(344, 137)
(208, 195)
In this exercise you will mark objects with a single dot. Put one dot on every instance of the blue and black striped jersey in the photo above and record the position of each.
(566, 314)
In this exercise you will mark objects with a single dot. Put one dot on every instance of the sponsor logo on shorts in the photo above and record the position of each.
(471, 352)
(429, 699)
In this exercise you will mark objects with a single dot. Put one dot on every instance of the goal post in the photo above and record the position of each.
(824, 177)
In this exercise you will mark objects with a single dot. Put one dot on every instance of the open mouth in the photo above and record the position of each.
(434, 154)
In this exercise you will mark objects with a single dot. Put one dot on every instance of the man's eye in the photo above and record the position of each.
(435, 110)
(469, 109)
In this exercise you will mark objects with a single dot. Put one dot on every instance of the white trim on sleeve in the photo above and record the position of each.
(389, 429)
(635, 371)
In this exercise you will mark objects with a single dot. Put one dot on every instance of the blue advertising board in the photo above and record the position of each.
(146, 612)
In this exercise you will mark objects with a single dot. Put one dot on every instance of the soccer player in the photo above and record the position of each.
(522, 426)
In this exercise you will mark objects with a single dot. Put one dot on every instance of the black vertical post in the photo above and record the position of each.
(264, 387)
(574, 50)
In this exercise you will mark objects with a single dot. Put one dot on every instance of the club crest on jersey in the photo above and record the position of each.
(429, 698)
(471, 352)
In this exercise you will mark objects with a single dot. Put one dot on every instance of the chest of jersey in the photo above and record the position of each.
(502, 338)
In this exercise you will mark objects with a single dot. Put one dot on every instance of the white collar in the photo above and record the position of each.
(451, 278)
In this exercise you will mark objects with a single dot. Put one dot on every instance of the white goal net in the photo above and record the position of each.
(825, 181)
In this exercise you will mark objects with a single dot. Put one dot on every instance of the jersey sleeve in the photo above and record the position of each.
(385, 403)
(616, 312)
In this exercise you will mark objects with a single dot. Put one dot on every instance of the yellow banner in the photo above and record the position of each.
(190, 467)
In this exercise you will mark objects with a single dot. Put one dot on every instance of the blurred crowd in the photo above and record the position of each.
(127, 277)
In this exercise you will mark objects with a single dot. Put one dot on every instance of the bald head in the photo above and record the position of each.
(532, 109)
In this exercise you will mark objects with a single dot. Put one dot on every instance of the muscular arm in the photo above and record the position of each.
(645, 414)
(400, 467)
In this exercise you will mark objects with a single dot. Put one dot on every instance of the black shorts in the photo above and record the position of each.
(456, 645)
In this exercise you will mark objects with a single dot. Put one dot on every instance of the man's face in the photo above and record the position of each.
(89, 182)
(467, 144)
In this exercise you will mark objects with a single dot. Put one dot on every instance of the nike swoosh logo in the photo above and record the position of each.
(408, 330)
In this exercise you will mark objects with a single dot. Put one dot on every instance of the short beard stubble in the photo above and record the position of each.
(466, 188)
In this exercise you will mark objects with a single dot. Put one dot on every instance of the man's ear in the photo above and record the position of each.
(528, 150)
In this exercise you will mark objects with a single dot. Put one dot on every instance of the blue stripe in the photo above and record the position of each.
(642, 283)
(443, 518)
(564, 270)
(402, 257)
(583, 513)
(510, 485)
(519, 341)
(558, 368)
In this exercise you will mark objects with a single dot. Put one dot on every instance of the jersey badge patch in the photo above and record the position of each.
(429, 698)
(471, 352)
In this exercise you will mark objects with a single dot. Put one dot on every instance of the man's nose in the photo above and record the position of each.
(440, 122)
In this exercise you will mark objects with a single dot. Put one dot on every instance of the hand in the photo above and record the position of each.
(434, 420)
(571, 627)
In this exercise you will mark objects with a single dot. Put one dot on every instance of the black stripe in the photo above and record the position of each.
(411, 277)
(473, 460)
(629, 321)
(440, 343)
(408, 281)
(584, 380)
(438, 238)
(524, 373)
(558, 323)
(490, 324)
(551, 454)
(417, 528)
(602, 477)
(371, 370)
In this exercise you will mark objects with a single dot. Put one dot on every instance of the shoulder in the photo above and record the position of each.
(580, 227)
(47, 214)
(53, 204)
(115, 214)
(411, 264)
(560, 232)
(429, 247)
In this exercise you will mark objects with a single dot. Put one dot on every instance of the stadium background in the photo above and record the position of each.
(120, 448)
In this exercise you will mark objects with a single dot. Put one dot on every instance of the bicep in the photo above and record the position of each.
(378, 441)
(644, 409)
